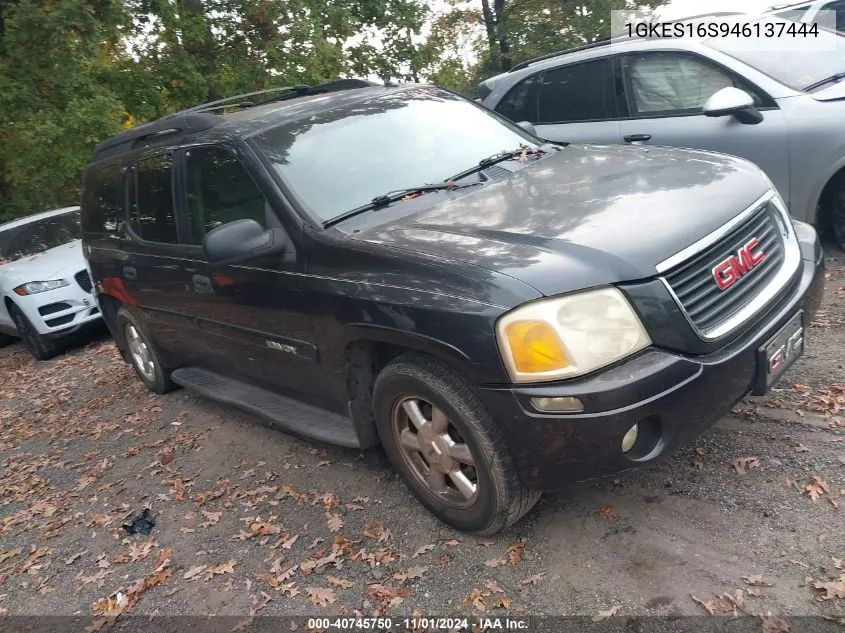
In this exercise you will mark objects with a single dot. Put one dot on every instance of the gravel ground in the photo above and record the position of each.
(250, 521)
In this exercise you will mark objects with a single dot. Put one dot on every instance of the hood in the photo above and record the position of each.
(62, 262)
(584, 216)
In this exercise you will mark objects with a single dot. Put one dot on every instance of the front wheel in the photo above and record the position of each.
(446, 446)
(40, 347)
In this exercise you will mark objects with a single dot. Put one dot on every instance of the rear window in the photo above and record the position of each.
(39, 236)
(796, 62)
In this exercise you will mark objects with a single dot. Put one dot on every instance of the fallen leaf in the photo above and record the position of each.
(757, 593)
(800, 448)
(340, 582)
(224, 568)
(831, 590)
(515, 552)
(757, 581)
(452, 543)
(16, 552)
(212, 518)
(422, 550)
(496, 562)
(741, 464)
(257, 604)
(320, 596)
(603, 615)
(608, 512)
(335, 522)
(194, 572)
(288, 541)
(815, 488)
(416, 572)
(713, 605)
(487, 543)
(68, 561)
(493, 586)
(476, 598)
(532, 580)
(773, 624)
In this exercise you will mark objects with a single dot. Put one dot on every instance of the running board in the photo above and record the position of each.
(282, 412)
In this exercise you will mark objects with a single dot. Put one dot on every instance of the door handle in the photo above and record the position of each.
(130, 273)
(202, 284)
(637, 138)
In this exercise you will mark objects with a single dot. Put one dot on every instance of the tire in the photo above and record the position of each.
(142, 354)
(41, 348)
(836, 212)
(414, 384)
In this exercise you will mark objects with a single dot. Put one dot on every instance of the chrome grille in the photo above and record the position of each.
(706, 305)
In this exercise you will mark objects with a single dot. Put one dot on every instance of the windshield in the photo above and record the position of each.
(39, 236)
(342, 158)
(797, 62)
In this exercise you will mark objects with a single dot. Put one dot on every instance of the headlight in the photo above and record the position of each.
(569, 336)
(34, 287)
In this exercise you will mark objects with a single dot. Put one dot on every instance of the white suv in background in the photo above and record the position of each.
(45, 288)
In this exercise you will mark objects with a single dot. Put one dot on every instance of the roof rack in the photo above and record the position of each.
(602, 42)
(201, 117)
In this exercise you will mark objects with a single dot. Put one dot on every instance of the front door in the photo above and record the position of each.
(666, 92)
(253, 318)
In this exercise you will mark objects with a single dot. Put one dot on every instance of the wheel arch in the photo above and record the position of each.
(370, 348)
(816, 214)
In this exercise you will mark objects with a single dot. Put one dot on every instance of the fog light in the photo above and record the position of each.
(558, 404)
(630, 438)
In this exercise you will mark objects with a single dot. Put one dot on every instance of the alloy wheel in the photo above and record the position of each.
(435, 451)
(140, 352)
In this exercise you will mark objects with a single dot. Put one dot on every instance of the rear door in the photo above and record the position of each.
(253, 319)
(575, 103)
(666, 92)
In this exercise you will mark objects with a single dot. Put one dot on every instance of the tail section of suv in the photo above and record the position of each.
(368, 265)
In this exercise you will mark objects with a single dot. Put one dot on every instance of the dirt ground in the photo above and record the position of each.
(251, 521)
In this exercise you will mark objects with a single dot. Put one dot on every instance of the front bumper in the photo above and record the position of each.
(675, 398)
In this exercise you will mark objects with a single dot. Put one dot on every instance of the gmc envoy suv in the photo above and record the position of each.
(397, 265)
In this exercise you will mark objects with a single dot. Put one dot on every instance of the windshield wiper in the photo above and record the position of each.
(390, 197)
(824, 82)
(499, 157)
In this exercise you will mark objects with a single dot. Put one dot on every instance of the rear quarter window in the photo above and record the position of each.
(103, 202)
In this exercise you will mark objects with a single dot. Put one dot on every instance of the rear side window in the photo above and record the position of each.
(578, 92)
(520, 104)
(103, 206)
(219, 191)
(151, 211)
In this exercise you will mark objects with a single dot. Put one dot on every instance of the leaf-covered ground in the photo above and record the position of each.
(251, 521)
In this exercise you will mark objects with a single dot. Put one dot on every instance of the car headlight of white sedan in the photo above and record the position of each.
(34, 287)
(568, 336)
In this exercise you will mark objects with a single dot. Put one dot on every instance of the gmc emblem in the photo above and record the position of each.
(727, 272)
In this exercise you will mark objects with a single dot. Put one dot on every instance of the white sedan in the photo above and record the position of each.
(45, 288)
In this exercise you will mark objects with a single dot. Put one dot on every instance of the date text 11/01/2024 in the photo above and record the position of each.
(418, 623)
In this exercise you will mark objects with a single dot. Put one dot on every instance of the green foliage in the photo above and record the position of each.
(511, 31)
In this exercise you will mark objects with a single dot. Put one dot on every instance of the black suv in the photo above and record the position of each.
(397, 265)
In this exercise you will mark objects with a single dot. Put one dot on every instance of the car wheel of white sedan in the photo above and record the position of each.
(40, 347)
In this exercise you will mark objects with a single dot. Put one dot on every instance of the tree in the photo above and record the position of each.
(509, 31)
(55, 97)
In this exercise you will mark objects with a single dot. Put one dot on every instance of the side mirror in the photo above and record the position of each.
(242, 240)
(528, 127)
(733, 101)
